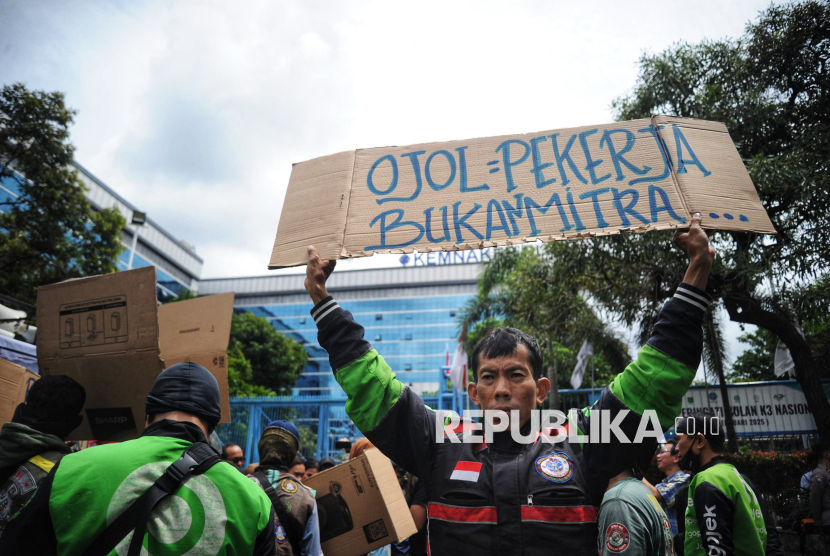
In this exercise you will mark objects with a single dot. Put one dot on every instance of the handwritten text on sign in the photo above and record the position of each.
(561, 184)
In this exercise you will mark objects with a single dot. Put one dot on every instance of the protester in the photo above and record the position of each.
(33, 442)
(631, 520)
(310, 469)
(723, 514)
(819, 493)
(232, 453)
(87, 490)
(297, 467)
(509, 497)
(326, 463)
(668, 461)
(812, 462)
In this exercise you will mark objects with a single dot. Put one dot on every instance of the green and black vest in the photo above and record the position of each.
(23, 483)
(293, 503)
(218, 512)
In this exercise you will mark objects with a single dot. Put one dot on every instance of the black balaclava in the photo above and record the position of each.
(186, 387)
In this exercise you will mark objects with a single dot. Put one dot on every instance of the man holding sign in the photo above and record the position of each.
(506, 496)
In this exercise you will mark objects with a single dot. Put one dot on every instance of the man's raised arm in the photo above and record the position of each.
(391, 416)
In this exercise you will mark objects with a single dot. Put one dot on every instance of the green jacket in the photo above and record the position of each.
(724, 516)
(219, 512)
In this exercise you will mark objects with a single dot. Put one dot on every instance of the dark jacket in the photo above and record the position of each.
(510, 498)
(26, 458)
(293, 503)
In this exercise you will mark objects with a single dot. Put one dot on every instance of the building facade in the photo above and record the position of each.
(178, 267)
(410, 314)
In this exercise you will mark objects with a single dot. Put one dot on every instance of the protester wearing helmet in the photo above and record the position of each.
(207, 512)
(297, 528)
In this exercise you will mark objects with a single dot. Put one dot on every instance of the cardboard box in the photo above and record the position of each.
(198, 330)
(361, 506)
(15, 382)
(104, 331)
(565, 184)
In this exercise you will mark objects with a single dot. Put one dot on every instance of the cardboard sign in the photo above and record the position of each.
(15, 382)
(103, 332)
(198, 330)
(360, 506)
(639, 175)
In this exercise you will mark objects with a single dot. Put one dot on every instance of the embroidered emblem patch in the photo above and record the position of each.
(279, 531)
(616, 537)
(289, 486)
(556, 467)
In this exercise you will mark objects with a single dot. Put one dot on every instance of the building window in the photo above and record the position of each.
(452, 313)
(377, 337)
(408, 337)
(408, 367)
(302, 320)
(409, 316)
(378, 317)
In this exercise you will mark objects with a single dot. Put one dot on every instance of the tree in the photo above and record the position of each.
(771, 90)
(240, 376)
(276, 361)
(527, 289)
(756, 363)
(48, 232)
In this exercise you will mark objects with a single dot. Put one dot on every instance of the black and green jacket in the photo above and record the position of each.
(506, 505)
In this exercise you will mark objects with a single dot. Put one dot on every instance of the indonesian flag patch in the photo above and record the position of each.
(466, 471)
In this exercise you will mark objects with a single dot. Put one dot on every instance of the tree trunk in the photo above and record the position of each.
(553, 376)
(714, 348)
(744, 308)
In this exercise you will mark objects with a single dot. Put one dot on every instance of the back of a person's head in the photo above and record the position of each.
(53, 405)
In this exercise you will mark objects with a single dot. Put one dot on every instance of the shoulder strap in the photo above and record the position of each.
(197, 459)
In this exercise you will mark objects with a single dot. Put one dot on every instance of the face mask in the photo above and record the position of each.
(690, 461)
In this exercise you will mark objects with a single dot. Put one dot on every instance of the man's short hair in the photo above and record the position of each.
(227, 447)
(673, 443)
(56, 398)
(504, 341)
(310, 464)
(705, 423)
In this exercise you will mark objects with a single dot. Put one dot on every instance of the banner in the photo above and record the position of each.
(639, 175)
(758, 408)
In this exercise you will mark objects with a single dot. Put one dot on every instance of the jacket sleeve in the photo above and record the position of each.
(774, 546)
(391, 416)
(266, 540)
(715, 519)
(31, 531)
(310, 543)
(656, 380)
(818, 484)
(622, 530)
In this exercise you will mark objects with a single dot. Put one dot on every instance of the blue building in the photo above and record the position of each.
(409, 313)
(178, 267)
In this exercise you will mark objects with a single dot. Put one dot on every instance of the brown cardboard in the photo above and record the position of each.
(198, 330)
(15, 382)
(360, 506)
(373, 200)
(103, 332)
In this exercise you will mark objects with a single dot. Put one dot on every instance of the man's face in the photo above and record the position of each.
(297, 470)
(235, 456)
(685, 443)
(506, 383)
(311, 471)
(665, 460)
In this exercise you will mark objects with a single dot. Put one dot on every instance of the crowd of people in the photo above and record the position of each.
(495, 497)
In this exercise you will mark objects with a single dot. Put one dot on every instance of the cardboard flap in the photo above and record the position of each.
(393, 498)
(195, 326)
(107, 314)
(560, 184)
(15, 382)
